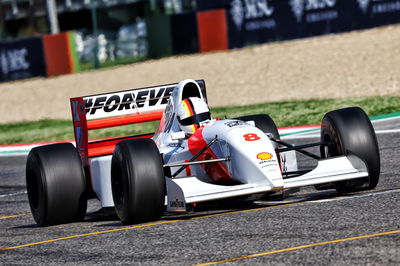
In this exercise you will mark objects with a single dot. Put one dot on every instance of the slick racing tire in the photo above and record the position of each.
(263, 122)
(56, 184)
(349, 132)
(137, 180)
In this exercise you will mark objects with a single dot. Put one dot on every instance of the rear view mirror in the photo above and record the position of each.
(251, 122)
(180, 135)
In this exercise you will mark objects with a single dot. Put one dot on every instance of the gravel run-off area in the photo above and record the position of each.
(360, 63)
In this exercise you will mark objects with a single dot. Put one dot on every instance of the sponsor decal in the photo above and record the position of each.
(79, 138)
(283, 162)
(297, 9)
(174, 145)
(363, 4)
(264, 156)
(313, 10)
(270, 168)
(75, 111)
(235, 123)
(266, 159)
(14, 60)
(266, 163)
(237, 13)
(127, 102)
(177, 204)
(252, 14)
(379, 6)
(78, 111)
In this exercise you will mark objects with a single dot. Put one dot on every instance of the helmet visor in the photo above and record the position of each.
(196, 119)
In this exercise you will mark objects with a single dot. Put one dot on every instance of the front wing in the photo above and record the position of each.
(181, 191)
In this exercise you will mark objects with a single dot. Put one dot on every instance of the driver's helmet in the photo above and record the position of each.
(192, 113)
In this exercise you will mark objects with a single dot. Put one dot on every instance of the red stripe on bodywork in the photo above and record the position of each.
(218, 172)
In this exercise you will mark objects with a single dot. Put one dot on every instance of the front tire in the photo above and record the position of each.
(263, 122)
(137, 180)
(349, 132)
(56, 184)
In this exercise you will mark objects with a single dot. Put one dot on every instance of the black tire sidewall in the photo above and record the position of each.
(122, 190)
(37, 193)
(55, 177)
(139, 164)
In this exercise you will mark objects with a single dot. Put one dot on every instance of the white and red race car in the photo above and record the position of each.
(191, 158)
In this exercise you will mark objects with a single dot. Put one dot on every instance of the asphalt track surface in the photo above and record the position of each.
(307, 227)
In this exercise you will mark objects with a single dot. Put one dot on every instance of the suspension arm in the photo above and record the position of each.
(298, 148)
(196, 156)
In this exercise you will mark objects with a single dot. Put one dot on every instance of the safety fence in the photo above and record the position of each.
(215, 25)
(46, 55)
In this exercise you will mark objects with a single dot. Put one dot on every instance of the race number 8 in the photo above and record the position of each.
(251, 137)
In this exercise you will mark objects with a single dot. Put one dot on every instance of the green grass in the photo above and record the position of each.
(288, 113)
(294, 113)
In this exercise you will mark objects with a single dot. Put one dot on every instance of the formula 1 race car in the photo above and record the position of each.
(191, 158)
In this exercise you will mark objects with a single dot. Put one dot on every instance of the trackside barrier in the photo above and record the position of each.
(59, 54)
(212, 30)
(172, 34)
(159, 36)
(20, 59)
(47, 55)
(259, 21)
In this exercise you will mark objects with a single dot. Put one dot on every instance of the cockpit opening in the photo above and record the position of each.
(191, 89)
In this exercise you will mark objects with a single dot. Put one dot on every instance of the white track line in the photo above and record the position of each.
(378, 132)
(356, 196)
(387, 131)
(13, 194)
(335, 198)
(385, 119)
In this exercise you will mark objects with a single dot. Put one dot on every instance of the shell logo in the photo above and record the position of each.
(264, 156)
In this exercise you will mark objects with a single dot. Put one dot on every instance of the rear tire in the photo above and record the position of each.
(350, 131)
(56, 184)
(137, 180)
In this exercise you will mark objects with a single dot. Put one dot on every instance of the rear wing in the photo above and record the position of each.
(117, 109)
